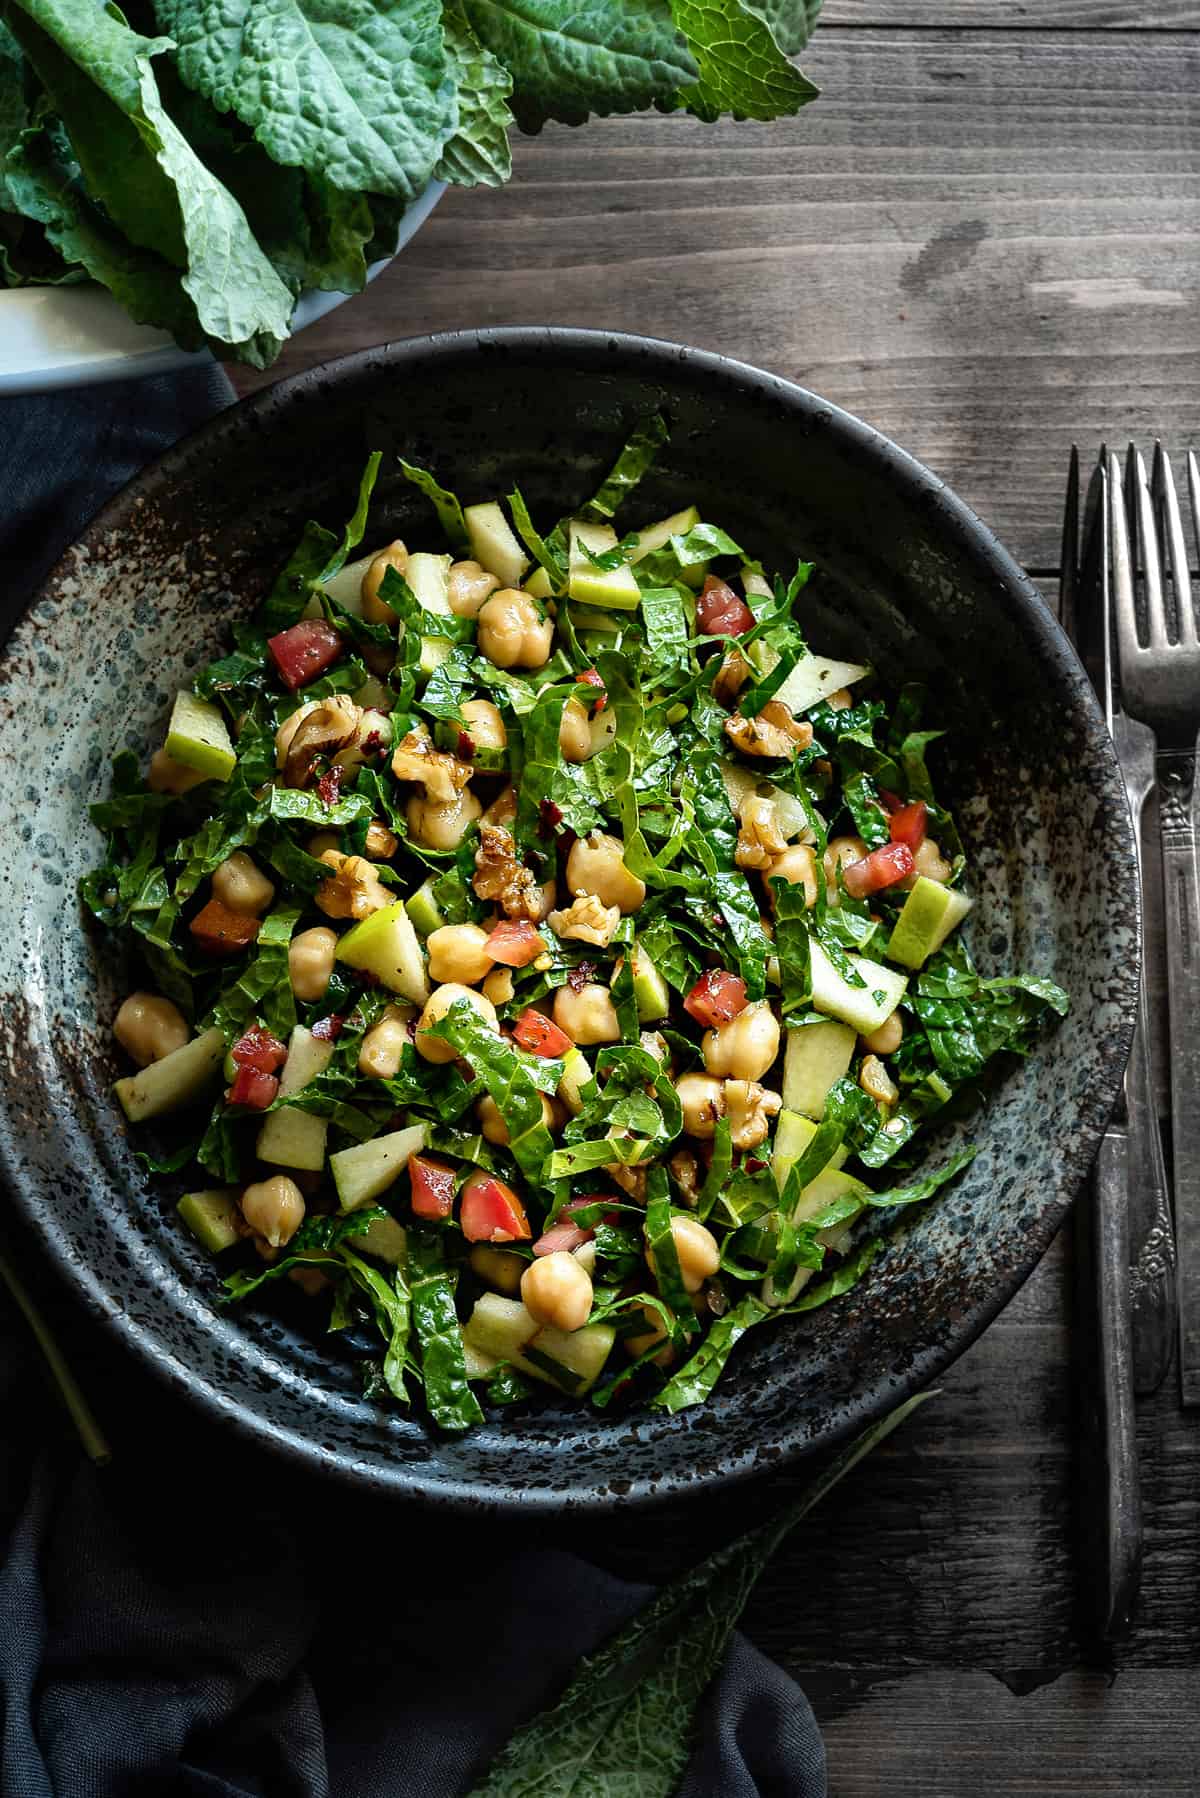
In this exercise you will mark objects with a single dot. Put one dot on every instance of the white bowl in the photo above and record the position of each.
(52, 337)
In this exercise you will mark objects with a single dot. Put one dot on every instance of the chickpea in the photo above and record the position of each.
(703, 1100)
(574, 733)
(841, 701)
(656, 1332)
(929, 861)
(482, 721)
(457, 952)
(166, 775)
(492, 1126)
(497, 1268)
(556, 1290)
(498, 986)
(512, 633)
(887, 1039)
(149, 1027)
(274, 1209)
(745, 1047)
(798, 866)
(381, 843)
(382, 1048)
(469, 586)
(876, 1082)
(839, 854)
(596, 865)
(310, 961)
(321, 840)
(588, 1016)
(394, 556)
(436, 1048)
(241, 886)
(442, 826)
(696, 1251)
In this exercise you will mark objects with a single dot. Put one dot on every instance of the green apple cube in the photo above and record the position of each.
(793, 1134)
(570, 1360)
(181, 1078)
(616, 588)
(653, 537)
(383, 1239)
(386, 945)
(814, 678)
(540, 585)
(429, 579)
(577, 1079)
(817, 1056)
(197, 737)
(366, 1170)
(493, 544)
(344, 588)
(500, 1327)
(864, 1007)
(292, 1138)
(930, 913)
(424, 910)
(830, 1184)
(650, 991)
(211, 1216)
(476, 1363)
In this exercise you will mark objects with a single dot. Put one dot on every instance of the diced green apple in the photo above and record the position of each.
(653, 537)
(817, 1056)
(574, 1089)
(478, 1365)
(493, 544)
(500, 1327)
(211, 1216)
(364, 1171)
(429, 578)
(793, 1134)
(864, 1007)
(814, 678)
(344, 588)
(424, 910)
(570, 1360)
(385, 944)
(540, 585)
(651, 994)
(197, 737)
(616, 588)
(292, 1138)
(181, 1078)
(929, 914)
(383, 1239)
(830, 1185)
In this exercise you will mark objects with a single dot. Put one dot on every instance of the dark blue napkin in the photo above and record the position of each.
(199, 1618)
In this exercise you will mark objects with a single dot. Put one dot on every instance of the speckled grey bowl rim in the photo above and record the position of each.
(955, 521)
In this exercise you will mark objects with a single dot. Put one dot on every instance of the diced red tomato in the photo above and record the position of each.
(219, 931)
(908, 824)
(537, 1033)
(719, 611)
(882, 868)
(305, 651)
(259, 1049)
(595, 680)
(432, 1187)
(252, 1088)
(514, 943)
(491, 1211)
(890, 801)
(716, 997)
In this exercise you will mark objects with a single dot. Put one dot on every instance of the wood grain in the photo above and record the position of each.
(1019, 15)
(983, 242)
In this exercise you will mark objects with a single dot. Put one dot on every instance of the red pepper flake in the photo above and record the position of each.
(752, 1164)
(330, 786)
(465, 747)
(578, 978)
(596, 680)
(549, 817)
(327, 1030)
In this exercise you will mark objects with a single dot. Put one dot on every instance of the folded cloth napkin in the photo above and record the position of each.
(200, 1618)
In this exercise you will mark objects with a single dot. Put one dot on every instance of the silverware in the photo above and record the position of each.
(1110, 1487)
(1160, 683)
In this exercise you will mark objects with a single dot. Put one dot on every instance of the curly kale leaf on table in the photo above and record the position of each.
(208, 160)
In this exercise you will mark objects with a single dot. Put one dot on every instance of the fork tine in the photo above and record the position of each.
(1147, 534)
(1123, 611)
(1193, 474)
(1174, 549)
(1068, 583)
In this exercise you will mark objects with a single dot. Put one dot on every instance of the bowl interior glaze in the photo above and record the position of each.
(905, 570)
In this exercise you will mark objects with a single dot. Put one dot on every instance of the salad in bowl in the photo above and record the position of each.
(549, 961)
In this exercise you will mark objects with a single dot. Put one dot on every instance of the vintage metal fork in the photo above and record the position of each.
(1160, 684)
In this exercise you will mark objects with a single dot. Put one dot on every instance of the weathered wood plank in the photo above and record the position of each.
(1018, 15)
(983, 242)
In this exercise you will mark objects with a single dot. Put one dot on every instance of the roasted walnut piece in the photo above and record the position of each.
(760, 839)
(586, 920)
(354, 891)
(774, 732)
(501, 878)
(315, 732)
(443, 776)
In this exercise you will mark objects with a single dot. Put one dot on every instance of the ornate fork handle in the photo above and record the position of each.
(1179, 801)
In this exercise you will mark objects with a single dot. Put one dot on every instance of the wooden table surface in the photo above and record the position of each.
(982, 238)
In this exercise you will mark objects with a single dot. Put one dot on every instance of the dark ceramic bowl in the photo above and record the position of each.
(905, 569)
